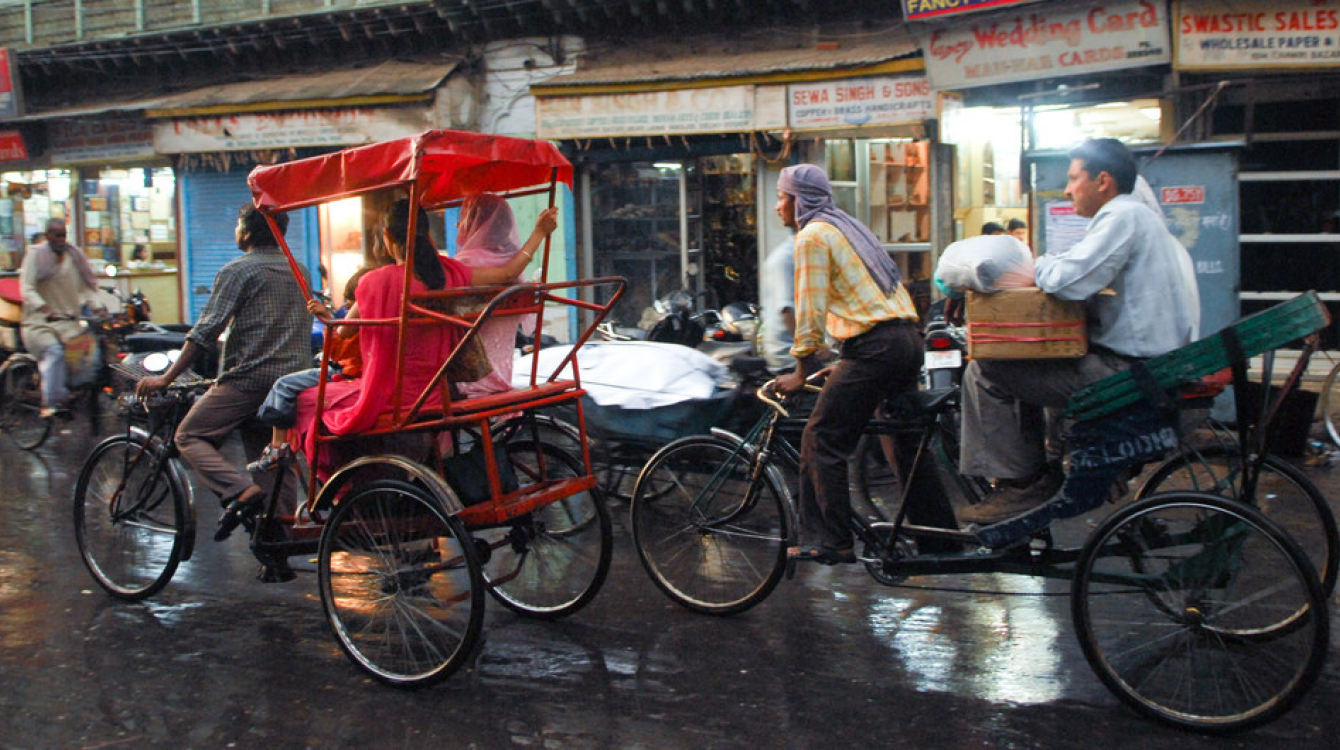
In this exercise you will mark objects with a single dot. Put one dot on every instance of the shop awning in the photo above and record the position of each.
(385, 83)
(680, 65)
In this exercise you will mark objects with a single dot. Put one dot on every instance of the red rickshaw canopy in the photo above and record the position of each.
(447, 165)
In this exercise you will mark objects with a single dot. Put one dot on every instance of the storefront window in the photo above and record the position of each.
(1057, 127)
(27, 201)
(899, 190)
(341, 244)
(128, 216)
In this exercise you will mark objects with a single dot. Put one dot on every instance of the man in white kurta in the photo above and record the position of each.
(1140, 293)
(56, 281)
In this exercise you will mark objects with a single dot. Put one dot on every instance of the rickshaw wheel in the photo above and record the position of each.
(1283, 494)
(1199, 612)
(401, 584)
(21, 403)
(552, 561)
(130, 516)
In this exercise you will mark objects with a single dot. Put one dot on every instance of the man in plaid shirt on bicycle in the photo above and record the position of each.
(848, 286)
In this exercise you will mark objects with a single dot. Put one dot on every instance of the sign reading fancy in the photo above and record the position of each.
(1048, 43)
(921, 10)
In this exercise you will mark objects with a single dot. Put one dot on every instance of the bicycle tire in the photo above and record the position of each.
(1283, 494)
(707, 542)
(22, 404)
(401, 584)
(551, 562)
(131, 520)
(1175, 601)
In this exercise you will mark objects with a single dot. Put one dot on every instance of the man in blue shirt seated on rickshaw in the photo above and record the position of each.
(1139, 289)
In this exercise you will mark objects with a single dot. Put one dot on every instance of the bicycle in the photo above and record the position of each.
(21, 381)
(1195, 609)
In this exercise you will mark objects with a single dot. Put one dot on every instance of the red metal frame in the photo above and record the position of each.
(440, 169)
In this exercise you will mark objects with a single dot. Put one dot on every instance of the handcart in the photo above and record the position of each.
(408, 535)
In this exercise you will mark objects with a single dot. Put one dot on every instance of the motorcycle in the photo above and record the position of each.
(670, 320)
(946, 346)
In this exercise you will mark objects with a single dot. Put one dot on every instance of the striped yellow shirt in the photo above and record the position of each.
(834, 291)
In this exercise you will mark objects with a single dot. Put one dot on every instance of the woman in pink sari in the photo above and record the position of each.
(353, 406)
(486, 238)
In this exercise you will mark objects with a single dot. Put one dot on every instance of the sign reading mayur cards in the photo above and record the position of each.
(1047, 43)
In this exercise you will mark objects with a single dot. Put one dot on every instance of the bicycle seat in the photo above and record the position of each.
(928, 402)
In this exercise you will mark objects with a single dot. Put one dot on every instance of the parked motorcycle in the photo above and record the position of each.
(946, 346)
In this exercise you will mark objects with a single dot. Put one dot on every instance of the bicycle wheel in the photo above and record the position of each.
(1177, 602)
(874, 482)
(400, 584)
(711, 539)
(130, 516)
(1329, 404)
(22, 408)
(1283, 493)
(552, 561)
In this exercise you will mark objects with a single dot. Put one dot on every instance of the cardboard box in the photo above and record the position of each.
(1025, 324)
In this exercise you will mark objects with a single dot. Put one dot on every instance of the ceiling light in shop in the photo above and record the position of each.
(668, 165)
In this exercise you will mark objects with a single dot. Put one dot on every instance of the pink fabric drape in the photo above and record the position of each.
(488, 239)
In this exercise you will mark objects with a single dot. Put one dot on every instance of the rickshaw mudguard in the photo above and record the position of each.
(413, 470)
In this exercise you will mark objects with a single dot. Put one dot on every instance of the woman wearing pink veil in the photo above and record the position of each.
(486, 237)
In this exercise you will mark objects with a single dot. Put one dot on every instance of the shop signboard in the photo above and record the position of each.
(863, 101)
(11, 99)
(1047, 42)
(84, 141)
(719, 109)
(925, 10)
(1256, 34)
(11, 146)
(328, 127)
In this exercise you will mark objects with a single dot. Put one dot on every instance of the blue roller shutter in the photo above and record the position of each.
(209, 206)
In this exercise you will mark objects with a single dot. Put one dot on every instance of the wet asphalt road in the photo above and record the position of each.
(831, 659)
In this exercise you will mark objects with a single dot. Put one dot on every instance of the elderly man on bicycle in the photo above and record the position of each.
(847, 284)
(56, 281)
(1152, 307)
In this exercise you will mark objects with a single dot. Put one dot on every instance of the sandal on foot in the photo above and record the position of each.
(240, 507)
(822, 555)
(270, 458)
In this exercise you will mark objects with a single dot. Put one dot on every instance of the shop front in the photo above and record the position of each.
(116, 196)
(678, 161)
(216, 136)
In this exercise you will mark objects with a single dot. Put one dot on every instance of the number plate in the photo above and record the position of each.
(944, 360)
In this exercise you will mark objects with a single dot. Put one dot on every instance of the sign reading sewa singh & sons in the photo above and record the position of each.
(1048, 42)
(1254, 34)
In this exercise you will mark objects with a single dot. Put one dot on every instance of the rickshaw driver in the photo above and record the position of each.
(270, 330)
(1153, 307)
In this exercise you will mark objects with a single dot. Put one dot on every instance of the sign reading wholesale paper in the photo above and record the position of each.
(867, 101)
(1048, 43)
(1218, 34)
(724, 109)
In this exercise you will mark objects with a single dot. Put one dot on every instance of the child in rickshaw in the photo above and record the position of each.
(353, 406)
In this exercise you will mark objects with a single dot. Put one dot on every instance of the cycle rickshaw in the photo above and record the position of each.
(408, 537)
(1192, 604)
